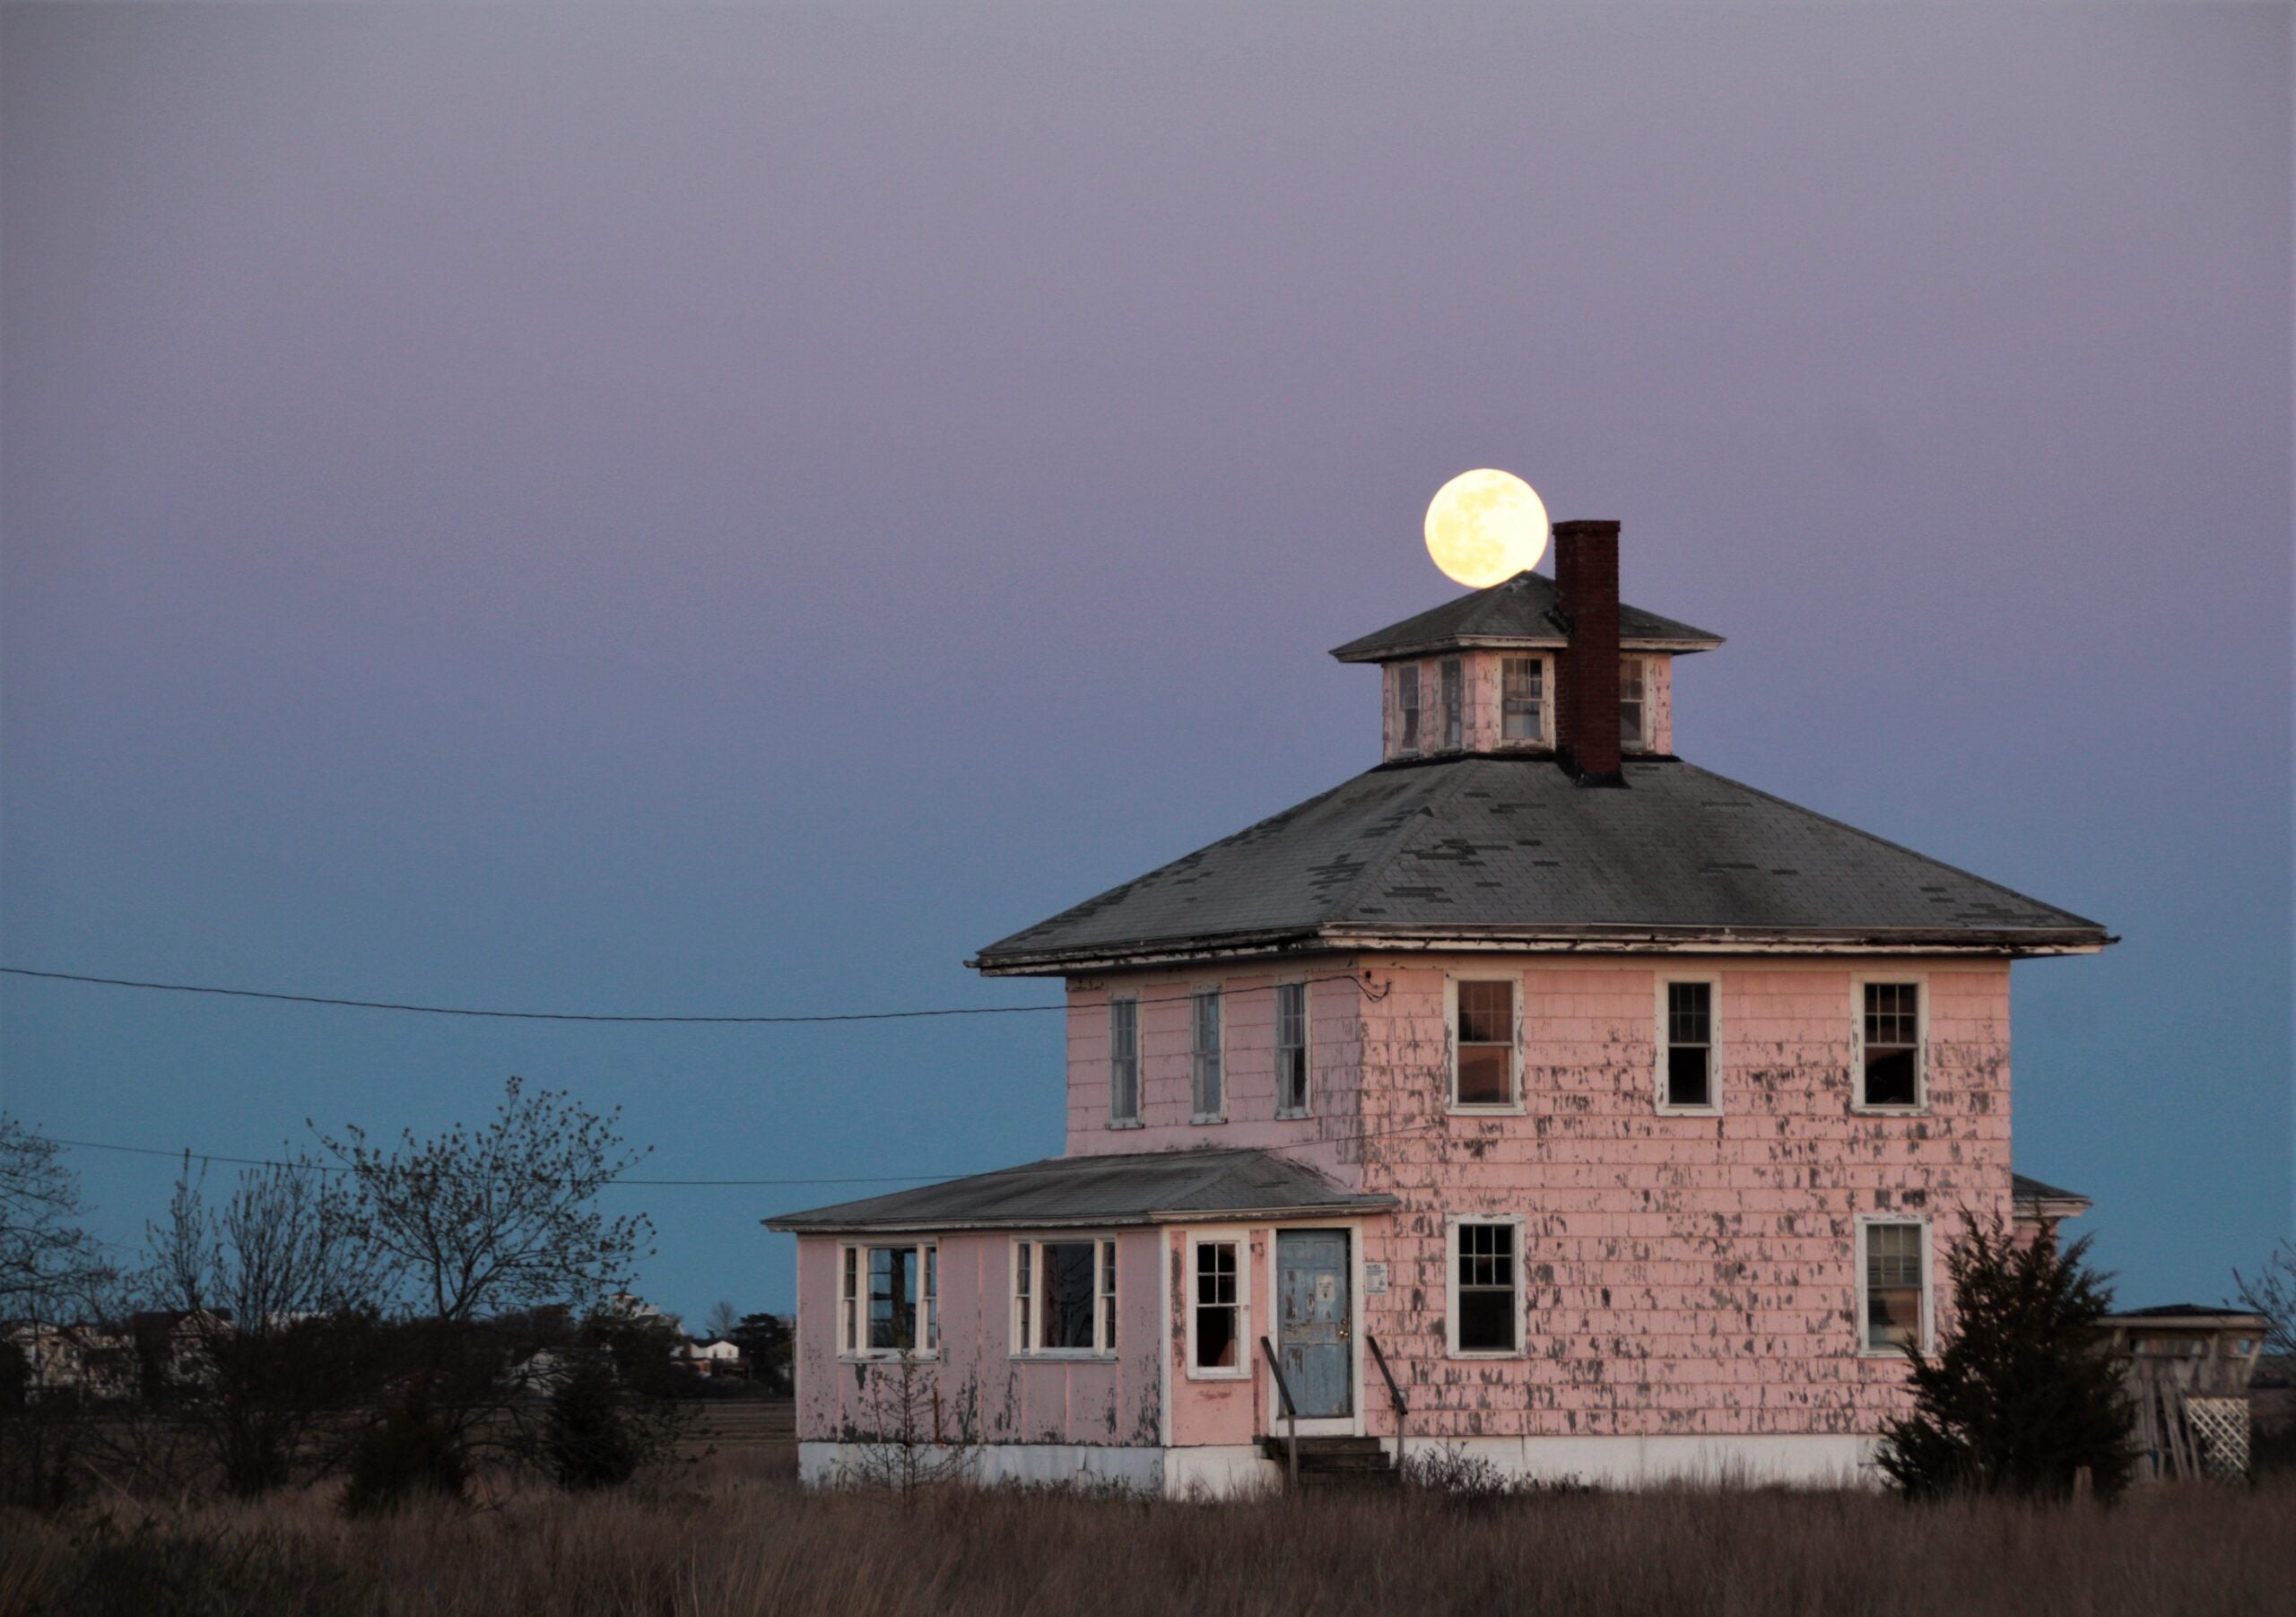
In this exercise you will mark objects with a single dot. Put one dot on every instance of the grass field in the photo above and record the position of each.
(734, 1534)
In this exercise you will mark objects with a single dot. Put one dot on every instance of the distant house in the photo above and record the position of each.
(1535, 1092)
(719, 1358)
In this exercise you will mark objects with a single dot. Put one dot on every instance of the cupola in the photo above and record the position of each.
(1531, 665)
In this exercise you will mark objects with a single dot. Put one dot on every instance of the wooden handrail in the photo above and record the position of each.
(1291, 1410)
(1403, 1404)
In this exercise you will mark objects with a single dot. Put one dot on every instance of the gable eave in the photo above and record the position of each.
(1992, 942)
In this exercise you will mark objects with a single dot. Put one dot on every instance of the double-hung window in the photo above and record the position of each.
(1686, 1075)
(1483, 1064)
(1633, 720)
(1063, 1297)
(1219, 1330)
(1889, 1046)
(1486, 1281)
(1454, 705)
(1207, 1080)
(1522, 699)
(1407, 708)
(1124, 1061)
(1291, 1049)
(1895, 1313)
(889, 1300)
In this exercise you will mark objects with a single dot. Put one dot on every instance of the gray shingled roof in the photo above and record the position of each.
(1510, 849)
(2023, 1188)
(1519, 610)
(1093, 1190)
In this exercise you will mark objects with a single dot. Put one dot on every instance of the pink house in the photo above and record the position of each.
(1535, 1092)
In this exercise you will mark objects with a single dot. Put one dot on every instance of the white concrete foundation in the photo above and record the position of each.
(1229, 1471)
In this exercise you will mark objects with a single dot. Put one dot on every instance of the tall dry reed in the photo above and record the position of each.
(738, 1547)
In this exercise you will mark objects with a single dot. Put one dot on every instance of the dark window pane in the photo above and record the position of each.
(1215, 1338)
(1889, 1077)
(1893, 1317)
(1690, 1012)
(1485, 1075)
(1066, 1305)
(1487, 1014)
(1686, 1076)
(892, 1296)
(1487, 1321)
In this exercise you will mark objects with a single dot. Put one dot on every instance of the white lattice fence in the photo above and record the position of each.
(2221, 1428)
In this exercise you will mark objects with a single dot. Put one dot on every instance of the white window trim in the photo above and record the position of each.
(1512, 1109)
(849, 1351)
(1545, 738)
(1306, 1106)
(1246, 1348)
(1920, 1106)
(1866, 1220)
(1139, 1084)
(1195, 1116)
(1443, 699)
(1023, 1249)
(1713, 1109)
(1452, 1350)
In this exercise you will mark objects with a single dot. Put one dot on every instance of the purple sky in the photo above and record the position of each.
(664, 510)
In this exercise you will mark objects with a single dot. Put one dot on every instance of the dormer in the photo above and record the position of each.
(1518, 667)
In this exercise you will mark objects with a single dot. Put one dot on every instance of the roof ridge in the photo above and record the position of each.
(1898, 848)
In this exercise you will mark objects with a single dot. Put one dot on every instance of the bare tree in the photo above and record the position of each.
(47, 1261)
(2272, 1294)
(724, 1319)
(496, 1242)
(51, 1272)
(269, 1313)
(503, 1216)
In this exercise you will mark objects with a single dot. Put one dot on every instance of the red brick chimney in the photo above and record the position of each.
(1586, 580)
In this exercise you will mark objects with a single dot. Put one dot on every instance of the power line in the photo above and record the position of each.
(205, 1157)
(384, 1004)
(210, 1156)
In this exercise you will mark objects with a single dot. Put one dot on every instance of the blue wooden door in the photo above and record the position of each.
(1314, 1331)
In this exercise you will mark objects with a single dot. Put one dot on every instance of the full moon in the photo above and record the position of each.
(1485, 526)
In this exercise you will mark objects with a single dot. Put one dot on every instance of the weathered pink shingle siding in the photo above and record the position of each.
(1686, 1273)
(1335, 1064)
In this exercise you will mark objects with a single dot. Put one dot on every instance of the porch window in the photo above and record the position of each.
(1522, 699)
(1897, 1286)
(1124, 1060)
(1454, 705)
(1063, 1297)
(1634, 726)
(1486, 1286)
(1291, 1049)
(1206, 1079)
(889, 1299)
(1686, 1076)
(1483, 1043)
(1216, 1326)
(1890, 1046)
(1407, 708)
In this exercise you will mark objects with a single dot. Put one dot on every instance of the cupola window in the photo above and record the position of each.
(1523, 699)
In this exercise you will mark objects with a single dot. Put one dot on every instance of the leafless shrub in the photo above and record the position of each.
(914, 1439)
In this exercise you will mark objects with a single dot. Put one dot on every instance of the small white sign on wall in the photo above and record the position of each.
(1374, 1278)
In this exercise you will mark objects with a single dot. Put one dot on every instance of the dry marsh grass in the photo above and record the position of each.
(738, 1545)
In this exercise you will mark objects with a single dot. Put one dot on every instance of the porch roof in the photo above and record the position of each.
(1142, 1187)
